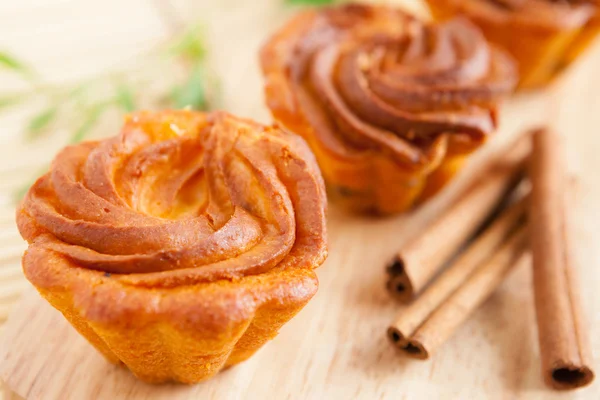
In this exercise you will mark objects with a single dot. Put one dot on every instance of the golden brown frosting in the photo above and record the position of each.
(374, 78)
(557, 14)
(181, 198)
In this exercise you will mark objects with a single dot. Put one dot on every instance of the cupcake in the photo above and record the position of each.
(180, 246)
(544, 36)
(391, 106)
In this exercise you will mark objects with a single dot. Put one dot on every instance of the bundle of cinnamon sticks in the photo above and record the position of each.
(455, 264)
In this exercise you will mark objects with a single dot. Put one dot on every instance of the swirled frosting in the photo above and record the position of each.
(376, 79)
(543, 13)
(180, 198)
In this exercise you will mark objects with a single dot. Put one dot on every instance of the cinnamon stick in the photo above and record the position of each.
(413, 316)
(422, 258)
(564, 346)
(425, 324)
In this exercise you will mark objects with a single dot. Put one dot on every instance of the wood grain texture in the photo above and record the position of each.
(336, 347)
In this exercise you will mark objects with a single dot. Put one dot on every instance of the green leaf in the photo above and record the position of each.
(90, 120)
(10, 62)
(191, 93)
(191, 44)
(125, 98)
(311, 2)
(9, 101)
(39, 122)
(79, 91)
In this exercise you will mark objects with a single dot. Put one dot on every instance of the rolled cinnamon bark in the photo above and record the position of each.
(433, 317)
(450, 280)
(564, 346)
(423, 257)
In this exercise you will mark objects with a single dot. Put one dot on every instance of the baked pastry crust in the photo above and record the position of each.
(544, 36)
(390, 106)
(180, 246)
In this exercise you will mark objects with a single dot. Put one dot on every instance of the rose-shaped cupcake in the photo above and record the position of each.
(390, 106)
(544, 36)
(180, 246)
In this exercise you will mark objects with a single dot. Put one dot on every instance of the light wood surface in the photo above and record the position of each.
(336, 347)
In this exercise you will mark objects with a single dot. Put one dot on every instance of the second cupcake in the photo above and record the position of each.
(544, 36)
(390, 106)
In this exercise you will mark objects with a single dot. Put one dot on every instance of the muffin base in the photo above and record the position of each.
(395, 192)
(171, 334)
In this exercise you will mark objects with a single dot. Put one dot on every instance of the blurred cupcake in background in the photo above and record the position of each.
(544, 36)
(390, 105)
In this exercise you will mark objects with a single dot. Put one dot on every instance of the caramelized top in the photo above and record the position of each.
(368, 77)
(550, 14)
(181, 197)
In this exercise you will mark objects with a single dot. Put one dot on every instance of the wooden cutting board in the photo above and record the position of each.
(336, 347)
